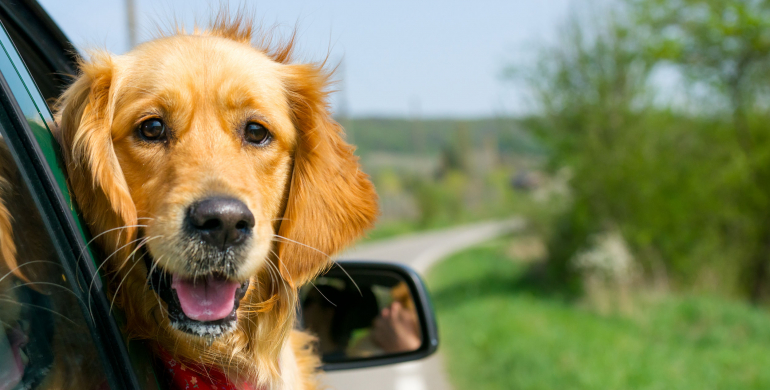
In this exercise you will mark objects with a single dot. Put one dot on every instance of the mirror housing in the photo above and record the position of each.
(369, 314)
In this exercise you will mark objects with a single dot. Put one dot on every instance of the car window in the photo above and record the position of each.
(44, 338)
(32, 145)
(47, 53)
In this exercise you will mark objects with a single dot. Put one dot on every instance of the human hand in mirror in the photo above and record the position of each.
(396, 329)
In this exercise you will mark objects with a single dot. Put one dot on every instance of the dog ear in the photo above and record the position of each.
(85, 112)
(330, 200)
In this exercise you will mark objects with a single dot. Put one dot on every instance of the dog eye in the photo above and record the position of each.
(153, 130)
(256, 133)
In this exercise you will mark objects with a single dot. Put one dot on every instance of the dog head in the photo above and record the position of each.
(210, 168)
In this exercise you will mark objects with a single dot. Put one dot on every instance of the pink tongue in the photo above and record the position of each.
(205, 300)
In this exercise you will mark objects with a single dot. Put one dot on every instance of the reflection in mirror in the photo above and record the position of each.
(371, 317)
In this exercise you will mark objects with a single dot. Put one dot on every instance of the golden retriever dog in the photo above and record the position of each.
(209, 168)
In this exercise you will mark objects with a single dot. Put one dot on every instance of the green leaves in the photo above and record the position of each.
(688, 185)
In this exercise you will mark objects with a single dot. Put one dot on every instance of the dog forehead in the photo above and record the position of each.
(208, 66)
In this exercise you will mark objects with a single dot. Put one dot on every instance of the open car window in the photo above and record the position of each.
(45, 341)
(27, 119)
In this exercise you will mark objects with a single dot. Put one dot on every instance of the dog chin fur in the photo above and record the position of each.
(203, 329)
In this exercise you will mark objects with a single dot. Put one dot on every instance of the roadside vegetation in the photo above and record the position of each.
(659, 110)
(501, 329)
(650, 268)
(644, 175)
(433, 173)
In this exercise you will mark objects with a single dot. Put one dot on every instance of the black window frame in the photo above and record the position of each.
(29, 21)
(105, 333)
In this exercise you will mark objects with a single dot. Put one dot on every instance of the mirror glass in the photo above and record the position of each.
(366, 314)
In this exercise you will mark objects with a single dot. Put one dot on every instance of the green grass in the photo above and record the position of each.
(389, 230)
(499, 330)
(402, 228)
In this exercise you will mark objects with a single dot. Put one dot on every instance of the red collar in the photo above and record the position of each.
(184, 376)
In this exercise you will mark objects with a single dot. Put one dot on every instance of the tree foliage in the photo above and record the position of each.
(689, 190)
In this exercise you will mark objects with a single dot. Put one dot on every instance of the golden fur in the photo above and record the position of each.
(306, 190)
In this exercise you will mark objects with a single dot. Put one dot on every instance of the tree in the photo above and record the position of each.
(724, 44)
(588, 88)
(689, 195)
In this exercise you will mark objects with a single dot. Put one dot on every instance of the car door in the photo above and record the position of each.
(54, 312)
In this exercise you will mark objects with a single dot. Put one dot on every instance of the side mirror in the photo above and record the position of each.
(369, 314)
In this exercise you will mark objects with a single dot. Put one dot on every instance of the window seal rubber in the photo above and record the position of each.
(105, 332)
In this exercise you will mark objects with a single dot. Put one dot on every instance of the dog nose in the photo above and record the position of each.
(222, 222)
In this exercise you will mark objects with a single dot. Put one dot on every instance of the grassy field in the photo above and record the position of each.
(389, 230)
(499, 330)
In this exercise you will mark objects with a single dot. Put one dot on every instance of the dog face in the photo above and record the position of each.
(215, 168)
(204, 138)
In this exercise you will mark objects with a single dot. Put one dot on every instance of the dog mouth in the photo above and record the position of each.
(204, 306)
(205, 299)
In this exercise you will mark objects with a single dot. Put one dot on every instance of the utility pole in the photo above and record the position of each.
(131, 20)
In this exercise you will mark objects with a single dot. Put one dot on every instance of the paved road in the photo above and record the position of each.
(419, 251)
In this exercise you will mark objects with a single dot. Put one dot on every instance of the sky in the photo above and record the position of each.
(432, 58)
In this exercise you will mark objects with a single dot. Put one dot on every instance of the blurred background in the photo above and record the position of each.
(628, 140)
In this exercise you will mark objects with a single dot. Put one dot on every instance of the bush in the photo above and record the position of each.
(686, 192)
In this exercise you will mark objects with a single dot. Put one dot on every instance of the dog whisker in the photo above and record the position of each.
(115, 295)
(327, 256)
(114, 253)
(130, 255)
(41, 308)
(136, 261)
(139, 246)
(154, 264)
(322, 294)
(349, 277)
(274, 272)
(105, 232)
(157, 294)
(301, 244)
(27, 263)
(96, 273)
(203, 366)
(275, 286)
(271, 273)
(50, 284)
(277, 271)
